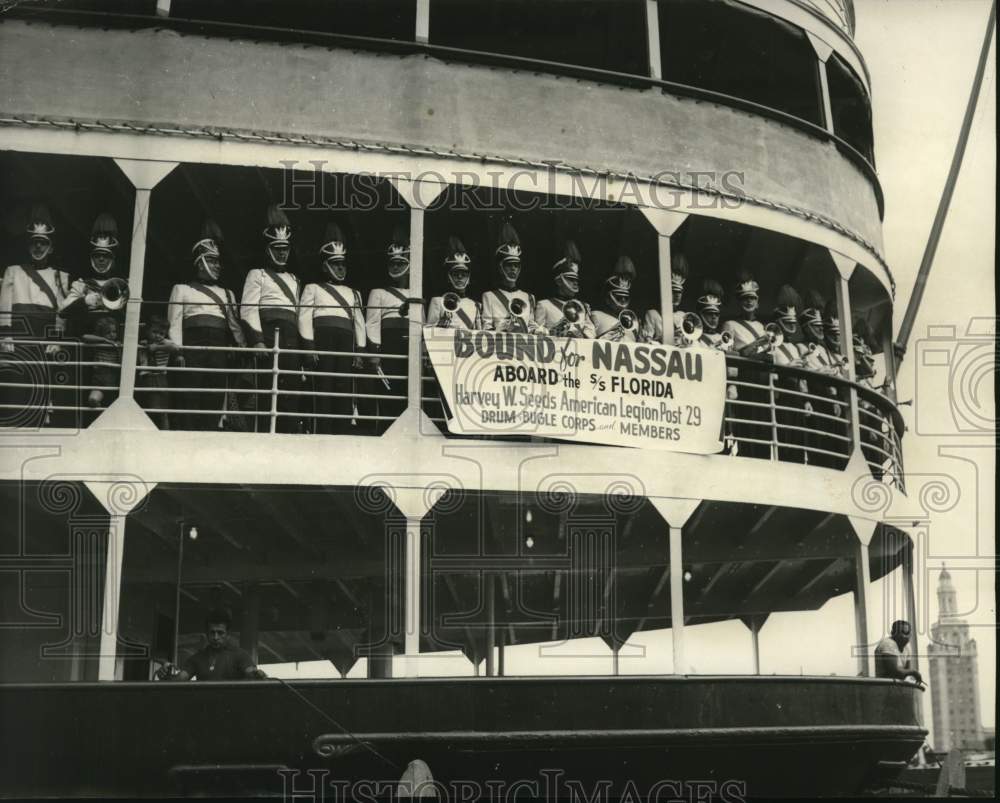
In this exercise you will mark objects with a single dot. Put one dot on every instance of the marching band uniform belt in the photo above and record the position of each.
(206, 322)
(278, 315)
(395, 323)
(334, 322)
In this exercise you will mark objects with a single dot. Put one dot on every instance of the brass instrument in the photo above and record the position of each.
(517, 316)
(628, 322)
(766, 343)
(725, 342)
(802, 362)
(573, 312)
(450, 301)
(690, 330)
(111, 295)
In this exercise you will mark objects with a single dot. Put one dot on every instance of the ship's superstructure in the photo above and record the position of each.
(295, 187)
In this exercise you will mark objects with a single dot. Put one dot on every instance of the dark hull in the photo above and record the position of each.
(748, 737)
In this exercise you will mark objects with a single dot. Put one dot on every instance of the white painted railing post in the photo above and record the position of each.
(675, 513)
(275, 351)
(653, 39)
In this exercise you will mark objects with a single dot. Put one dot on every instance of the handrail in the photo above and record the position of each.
(334, 40)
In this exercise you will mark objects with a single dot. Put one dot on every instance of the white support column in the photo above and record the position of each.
(676, 512)
(414, 357)
(414, 504)
(144, 177)
(666, 290)
(911, 603)
(163, 8)
(114, 560)
(823, 51)
(677, 600)
(755, 637)
(491, 624)
(846, 349)
(862, 581)
(653, 39)
(864, 530)
(423, 31)
(412, 590)
(666, 223)
(889, 358)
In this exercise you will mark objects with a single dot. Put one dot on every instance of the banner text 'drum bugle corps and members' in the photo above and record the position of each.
(593, 391)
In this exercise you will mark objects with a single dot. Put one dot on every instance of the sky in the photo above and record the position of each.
(922, 56)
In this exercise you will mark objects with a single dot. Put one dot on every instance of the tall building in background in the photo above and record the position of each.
(954, 675)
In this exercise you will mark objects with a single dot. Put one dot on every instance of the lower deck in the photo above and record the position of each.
(743, 737)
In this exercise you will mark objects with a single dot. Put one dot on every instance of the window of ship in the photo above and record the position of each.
(604, 34)
(731, 48)
(233, 394)
(57, 389)
(852, 113)
(54, 541)
(386, 19)
(307, 576)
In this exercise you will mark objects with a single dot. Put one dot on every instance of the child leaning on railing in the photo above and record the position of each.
(156, 352)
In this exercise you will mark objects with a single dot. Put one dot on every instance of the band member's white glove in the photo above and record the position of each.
(731, 392)
(92, 299)
(808, 408)
(52, 349)
(7, 346)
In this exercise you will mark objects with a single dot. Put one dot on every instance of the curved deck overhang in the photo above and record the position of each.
(431, 119)
(413, 457)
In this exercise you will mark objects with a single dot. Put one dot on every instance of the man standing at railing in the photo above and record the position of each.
(30, 297)
(750, 342)
(815, 356)
(388, 329)
(331, 319)
(202, 313)
(270, 309)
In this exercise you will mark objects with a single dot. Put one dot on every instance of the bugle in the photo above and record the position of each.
(110, 295)
(450, 302)
(573, 312)
(690, 330)
(766, 343)
(517, 316)
(725, 341)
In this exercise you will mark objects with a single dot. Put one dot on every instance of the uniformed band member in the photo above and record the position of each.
(549, 311)
(748, 334)
(615, 320)
(269, 308)
(88, 314)
(789, 353)
(873, 426)
(710, 310)
(468, 313)
(499, 304)
(84, 304)
(652, 325)
(30, 297)
(331, 319)
(388, 331)
(817, 357)
(201, 312)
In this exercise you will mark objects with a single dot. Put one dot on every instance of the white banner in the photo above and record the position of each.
(593, 391)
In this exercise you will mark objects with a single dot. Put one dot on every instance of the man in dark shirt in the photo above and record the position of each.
(219, 660)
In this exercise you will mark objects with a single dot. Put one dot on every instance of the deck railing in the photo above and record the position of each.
(56, 382)
(772, 412)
